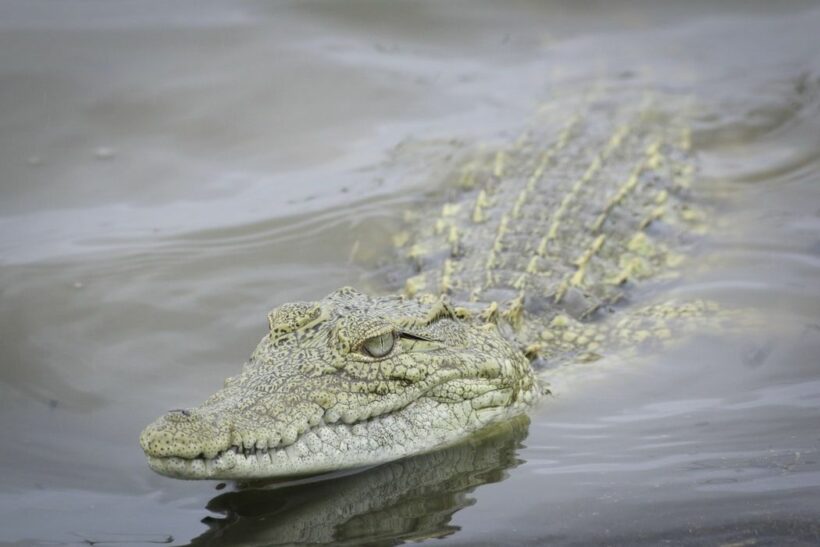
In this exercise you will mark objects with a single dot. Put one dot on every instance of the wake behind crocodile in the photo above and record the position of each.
(529, 263)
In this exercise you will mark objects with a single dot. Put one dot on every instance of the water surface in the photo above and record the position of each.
(170, 172)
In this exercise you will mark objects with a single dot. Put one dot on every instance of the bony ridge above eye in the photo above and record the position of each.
(380, 345)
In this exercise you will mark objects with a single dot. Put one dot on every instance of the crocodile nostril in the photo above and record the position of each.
(183, 411)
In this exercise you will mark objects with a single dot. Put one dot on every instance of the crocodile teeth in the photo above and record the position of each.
(226, 461)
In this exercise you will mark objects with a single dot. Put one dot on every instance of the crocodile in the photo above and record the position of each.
(529, 264)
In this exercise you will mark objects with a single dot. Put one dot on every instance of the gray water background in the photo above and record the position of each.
(171, 171)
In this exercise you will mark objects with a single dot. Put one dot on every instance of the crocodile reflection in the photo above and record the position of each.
(404, 500)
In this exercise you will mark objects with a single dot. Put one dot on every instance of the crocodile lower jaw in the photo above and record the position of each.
(423, 426)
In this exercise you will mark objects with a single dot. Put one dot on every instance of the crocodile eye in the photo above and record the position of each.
(380, 345)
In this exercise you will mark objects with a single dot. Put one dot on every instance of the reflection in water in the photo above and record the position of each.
(410, 499)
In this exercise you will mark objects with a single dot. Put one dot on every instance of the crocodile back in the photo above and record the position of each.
(590, 199)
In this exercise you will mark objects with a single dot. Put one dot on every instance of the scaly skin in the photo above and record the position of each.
(312, 400)
(532, 249)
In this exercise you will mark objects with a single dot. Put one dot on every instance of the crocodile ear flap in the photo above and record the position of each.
(292, 316)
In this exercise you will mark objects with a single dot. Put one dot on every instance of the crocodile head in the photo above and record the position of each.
(348, 381)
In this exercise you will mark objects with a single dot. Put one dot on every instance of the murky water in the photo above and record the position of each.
(169, 172)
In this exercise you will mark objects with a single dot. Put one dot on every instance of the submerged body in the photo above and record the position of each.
(535, 245)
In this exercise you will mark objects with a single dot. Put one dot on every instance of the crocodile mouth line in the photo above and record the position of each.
(252, 458)
(220, 466)
(325, 447)
(253, 449)
(224, 460)
(236, 450)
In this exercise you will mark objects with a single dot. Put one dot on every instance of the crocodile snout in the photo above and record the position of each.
(186, 434)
